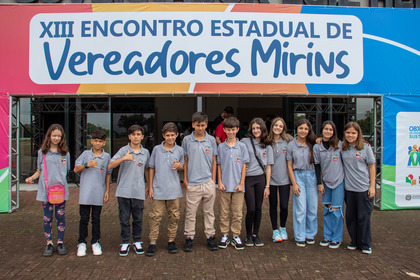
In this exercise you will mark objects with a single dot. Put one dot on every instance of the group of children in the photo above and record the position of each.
(262, 165)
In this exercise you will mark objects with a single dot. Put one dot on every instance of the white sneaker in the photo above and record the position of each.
(96, 249)
(81, 250)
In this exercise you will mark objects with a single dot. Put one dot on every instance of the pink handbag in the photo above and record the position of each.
(55, 193)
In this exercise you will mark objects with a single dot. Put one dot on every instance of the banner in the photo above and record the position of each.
(4, 153)
(208, 48)
(401, 160)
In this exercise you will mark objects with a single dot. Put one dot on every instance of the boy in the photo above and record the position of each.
(133, 160)
(232, 157)
(166, 162)
(200, 152)
(94, 191)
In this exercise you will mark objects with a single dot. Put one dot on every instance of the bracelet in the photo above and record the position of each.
(267, 187)
(85, 165)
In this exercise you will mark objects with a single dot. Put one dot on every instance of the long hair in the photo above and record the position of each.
(334, 139)
(360, 142)
(310, 138)
(283, 135)
(61, 147)
(264, 133)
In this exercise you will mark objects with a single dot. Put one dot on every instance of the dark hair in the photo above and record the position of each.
(169, 127)
(199, 117)
(61, 147)
(135, 127)
(283, 135)
(231, 122)
(98, 134)
(228, 110)
(264, 133)
(310, 138)
(360, 142)
(334, 139)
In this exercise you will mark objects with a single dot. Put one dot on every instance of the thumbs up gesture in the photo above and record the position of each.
(129, 156)
(93, 163)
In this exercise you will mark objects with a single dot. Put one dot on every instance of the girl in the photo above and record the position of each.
(327, 157)
(256, 182)
(300, 165)
(359, 168)
(279, 182)
(57, 158)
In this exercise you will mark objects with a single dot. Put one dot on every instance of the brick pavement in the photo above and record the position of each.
(396, 253)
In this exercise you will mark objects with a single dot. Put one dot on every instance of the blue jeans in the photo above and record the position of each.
(333, 218)
(305, 206)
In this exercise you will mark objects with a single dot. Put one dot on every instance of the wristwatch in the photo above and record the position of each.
(85, 165)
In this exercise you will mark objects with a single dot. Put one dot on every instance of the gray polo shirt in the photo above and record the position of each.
(200, 158)
(166, 184)
(231, 161)
(57, 167)
(356, 168)
(130, 182)
(299, 155)
(92, 180)
(331, 164)
(264, 154)
(279, 174)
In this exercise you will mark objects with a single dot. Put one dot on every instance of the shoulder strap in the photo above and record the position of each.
(256, 156)
(45, 171)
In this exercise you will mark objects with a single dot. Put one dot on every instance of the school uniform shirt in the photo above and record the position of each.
(200, 158)
(356, 168)
(166, 183)
(92, 179)
(231, 161)
(264, 154)
(331, 164)
(300, 156)
(130, 182)
(279, 174)
(57, 167)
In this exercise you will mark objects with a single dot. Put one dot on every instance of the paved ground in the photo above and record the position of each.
(396, 252)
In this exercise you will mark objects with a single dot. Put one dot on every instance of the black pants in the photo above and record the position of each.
(130, 207)
(254, 196)
(85, 212)
(284, 193)
(358, 211)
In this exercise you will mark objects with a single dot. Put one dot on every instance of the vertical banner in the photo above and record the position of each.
(4, 153)
(401, 150)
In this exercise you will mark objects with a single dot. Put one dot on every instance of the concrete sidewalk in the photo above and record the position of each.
(396, 252)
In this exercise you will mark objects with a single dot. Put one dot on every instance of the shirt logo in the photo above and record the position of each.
(264, 154)
(102, 169)
(284, 150)
(358, 155)
(238, 158)
(207, 150)
(334, 158)
(63, 160)
(174, 162)
(140, 163)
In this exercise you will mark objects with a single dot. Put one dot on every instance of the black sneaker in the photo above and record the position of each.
(310, 241)
(189, 245)
(151, 250)
(257, 241)
(224, 242)
(237, 243)
(61, 249)
(248, 241)
(138, 248)
(125, 248)
(211, 243)
(172, 247)
(49, 250)
(325, 243)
